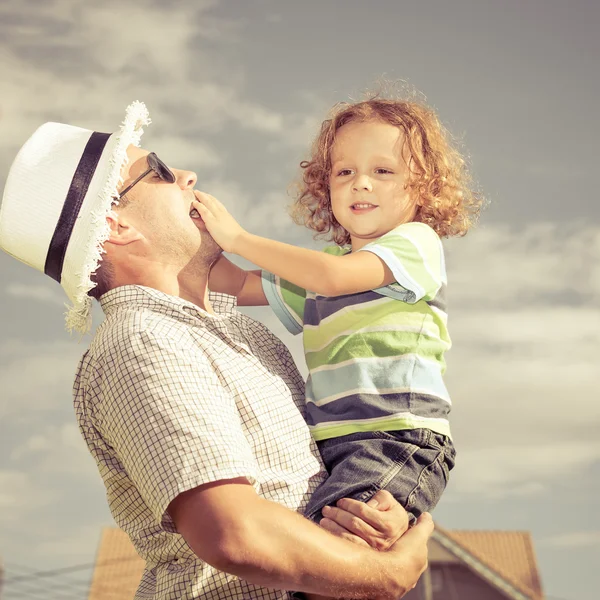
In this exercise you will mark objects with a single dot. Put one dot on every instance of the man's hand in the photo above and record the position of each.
(412, 549)
(379, 523)
(223, 228)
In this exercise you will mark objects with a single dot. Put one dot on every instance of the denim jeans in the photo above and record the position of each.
(413, 465)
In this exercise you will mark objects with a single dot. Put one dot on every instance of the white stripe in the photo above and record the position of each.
(396, 266)
(443, 263)
(424, 260)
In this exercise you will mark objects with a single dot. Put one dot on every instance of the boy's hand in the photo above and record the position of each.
(379, 523)
(223, 228)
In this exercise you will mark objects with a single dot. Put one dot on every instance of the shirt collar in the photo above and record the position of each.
(140, 295)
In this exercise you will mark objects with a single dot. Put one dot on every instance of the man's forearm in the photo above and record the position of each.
(226, 277)
(277, 548)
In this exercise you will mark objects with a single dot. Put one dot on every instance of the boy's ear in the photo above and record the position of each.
(122, 230)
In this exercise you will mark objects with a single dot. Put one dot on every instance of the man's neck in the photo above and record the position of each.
(194, 288)
(190, 283)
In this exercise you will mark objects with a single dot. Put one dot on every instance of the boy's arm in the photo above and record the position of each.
(318, 272)
(324, 274)
(227, 278)
(272, 546)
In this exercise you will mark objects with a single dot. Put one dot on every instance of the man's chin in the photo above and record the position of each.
(208, 251)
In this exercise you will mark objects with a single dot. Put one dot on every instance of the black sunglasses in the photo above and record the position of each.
(156, 165)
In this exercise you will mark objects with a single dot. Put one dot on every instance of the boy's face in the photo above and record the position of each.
(368, 181)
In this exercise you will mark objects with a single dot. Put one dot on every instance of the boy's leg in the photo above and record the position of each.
(413, 465)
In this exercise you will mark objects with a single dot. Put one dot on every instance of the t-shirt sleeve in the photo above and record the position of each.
(287, 301)
(414, 254)
(169, 420)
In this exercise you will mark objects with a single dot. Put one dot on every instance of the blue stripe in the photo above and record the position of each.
(321, 307)
(277, 304)
(403, 373)
(373, 406)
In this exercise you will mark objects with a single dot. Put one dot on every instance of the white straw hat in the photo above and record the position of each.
(59, 191)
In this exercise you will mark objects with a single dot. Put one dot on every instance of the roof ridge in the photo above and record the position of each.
(481, 557)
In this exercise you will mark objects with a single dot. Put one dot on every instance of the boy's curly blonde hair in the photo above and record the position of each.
(438, 174)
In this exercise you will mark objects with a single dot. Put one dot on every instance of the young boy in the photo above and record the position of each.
(385, 183)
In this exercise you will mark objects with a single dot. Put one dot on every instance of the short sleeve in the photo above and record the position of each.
(287, 301)
(414, 254)
(169, 420)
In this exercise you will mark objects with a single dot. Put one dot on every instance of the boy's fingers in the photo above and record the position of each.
(201, 208)
(370, 515)
(352, 519)
(201, 196)
(207, 199)
(339, 531)
(382, 500)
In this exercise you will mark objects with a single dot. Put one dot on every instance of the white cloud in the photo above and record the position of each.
(41, 293)
(519, 468)
(576, 539)
(496, 265)
(265, 214)
(523, 372)
(110, 54)
(184, 153)
(77, 547)
(19, 495)
(302, 127)
(36, 377)
(56, 450)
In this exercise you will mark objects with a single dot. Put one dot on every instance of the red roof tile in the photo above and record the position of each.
(508, 553)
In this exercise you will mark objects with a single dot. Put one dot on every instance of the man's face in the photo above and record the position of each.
(161, 212)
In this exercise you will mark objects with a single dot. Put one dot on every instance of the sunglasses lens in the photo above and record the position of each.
(159, 166)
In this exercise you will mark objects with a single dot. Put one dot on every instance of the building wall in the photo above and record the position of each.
(455, 582)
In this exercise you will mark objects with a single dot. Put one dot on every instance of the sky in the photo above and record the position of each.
(236, 91)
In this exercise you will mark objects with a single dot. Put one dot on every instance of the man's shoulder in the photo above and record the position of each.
(133, 331)
(121, 328)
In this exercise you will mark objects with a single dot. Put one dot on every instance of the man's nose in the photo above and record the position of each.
(185, 179)
(361, 183)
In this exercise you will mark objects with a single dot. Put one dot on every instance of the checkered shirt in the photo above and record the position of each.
(169, 397)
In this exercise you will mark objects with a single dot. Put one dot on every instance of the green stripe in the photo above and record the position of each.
(336, 250)
(417, 316)
(325, 431)
(385, 312)
(377, 344)
(294, 298)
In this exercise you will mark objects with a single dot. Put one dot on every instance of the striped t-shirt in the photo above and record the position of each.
(376, 358)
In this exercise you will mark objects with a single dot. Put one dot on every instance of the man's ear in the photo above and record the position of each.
(122, 230)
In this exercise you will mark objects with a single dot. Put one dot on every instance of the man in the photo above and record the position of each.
(191, 410)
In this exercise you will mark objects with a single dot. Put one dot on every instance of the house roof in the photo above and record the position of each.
(510, 554)
(118, 568)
